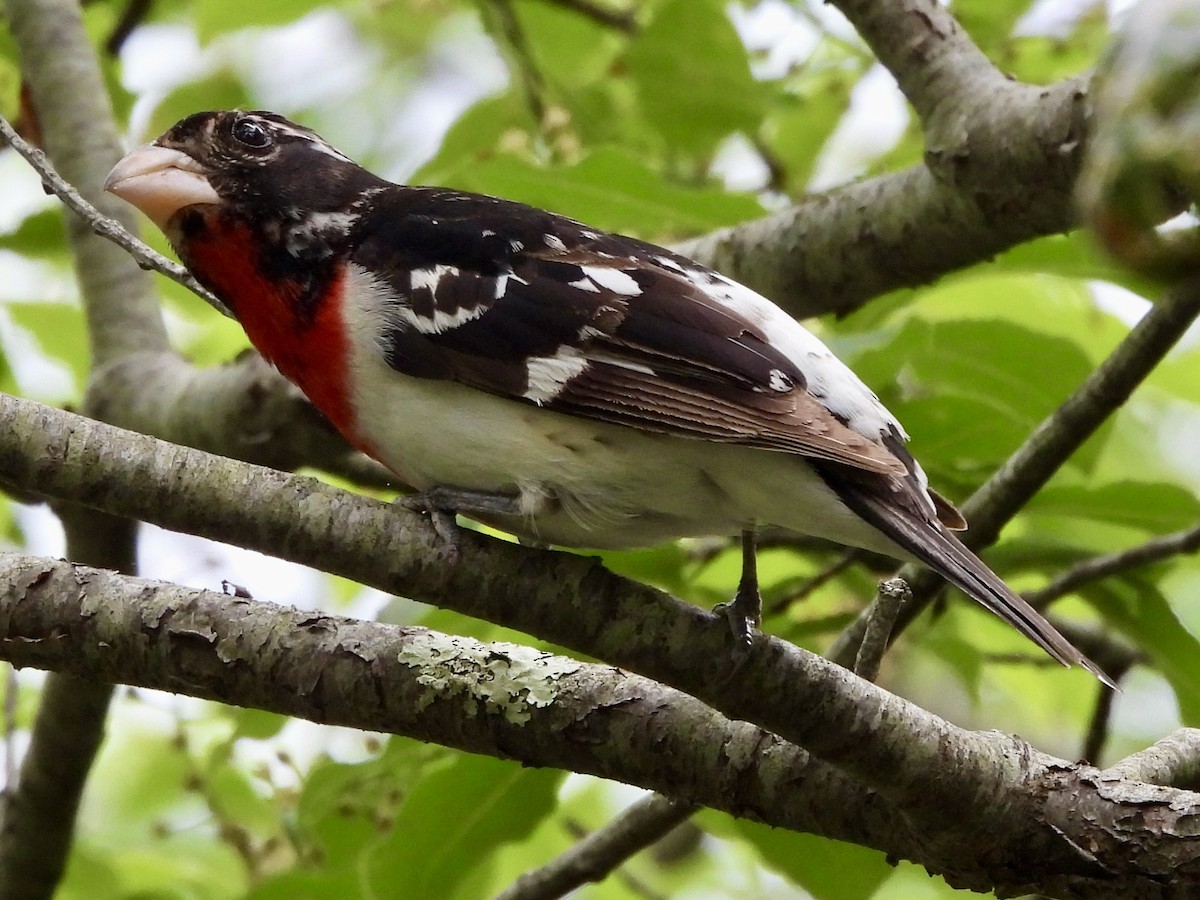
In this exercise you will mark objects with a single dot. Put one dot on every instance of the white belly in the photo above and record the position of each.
(584, 483)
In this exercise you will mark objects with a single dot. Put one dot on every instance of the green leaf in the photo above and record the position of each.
(694, 90)
(236, 802)
(611, 189)
(256, 723)
(989, 22)
(1045, 60)
(220, 90)
(568, 49)
(61, 331)
(477, 136)
(455, 818)
(1140, 610)
(302, 885)
(10, 89)
(89, 875)
(800, 124)
(40, 235)
(971, 391)
(342, 810)
(827, 869)
(1157, 507)
(1053, 306)
(1073, 255)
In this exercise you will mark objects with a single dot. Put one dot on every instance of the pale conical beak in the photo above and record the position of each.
(160, 181)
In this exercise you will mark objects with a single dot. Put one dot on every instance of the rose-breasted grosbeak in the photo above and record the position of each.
(565, 384)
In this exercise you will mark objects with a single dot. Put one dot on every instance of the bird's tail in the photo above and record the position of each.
(932, 544)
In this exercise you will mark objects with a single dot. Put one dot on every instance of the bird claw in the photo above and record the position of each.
(743, 626)
(444, 526)
(744, 613)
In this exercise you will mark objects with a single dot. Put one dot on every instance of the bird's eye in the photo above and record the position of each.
(251, 133)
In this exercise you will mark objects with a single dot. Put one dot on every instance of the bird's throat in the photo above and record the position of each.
(294, 321)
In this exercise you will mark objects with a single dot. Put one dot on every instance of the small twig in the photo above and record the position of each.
(134, 13)
(10, 737)
(827, 574)
(601, 852)
(531, 77)
(1054, 440)
(101, 224)
(893, 594)
(621, 20)
(1101, 719)
(1099, 567)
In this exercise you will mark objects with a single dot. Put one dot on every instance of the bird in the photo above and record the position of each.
(567, 385)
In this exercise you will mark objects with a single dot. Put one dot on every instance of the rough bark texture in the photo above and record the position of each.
(1027, 833)
(990, 790)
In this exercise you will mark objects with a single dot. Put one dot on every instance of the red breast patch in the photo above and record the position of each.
(310, 350)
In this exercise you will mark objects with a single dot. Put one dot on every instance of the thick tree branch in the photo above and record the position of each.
(1172, 762)
(921, 43)
(568, 599)
(996, 174)
(547, 710)
(524, 704)
(940, 775)
(67, 92)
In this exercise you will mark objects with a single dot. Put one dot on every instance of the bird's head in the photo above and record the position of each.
(256, 164)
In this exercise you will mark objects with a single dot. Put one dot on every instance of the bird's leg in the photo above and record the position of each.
(443, 502)
(744, 614)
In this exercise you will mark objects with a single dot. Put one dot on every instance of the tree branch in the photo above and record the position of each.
(524, 704)
(551, 711)
(104, 226)
(934, 61)
(940, 775)
(1100, 567)
(1172, 762)
(597, 855)
(1051, 444)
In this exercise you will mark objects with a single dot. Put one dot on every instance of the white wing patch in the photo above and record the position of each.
(441, 320)
(429, 278)
(546, 376)
(612, 279)
(502, 284)
(584, 284)
(829, 379)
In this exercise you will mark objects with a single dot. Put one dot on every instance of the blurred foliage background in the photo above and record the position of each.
(665, 119)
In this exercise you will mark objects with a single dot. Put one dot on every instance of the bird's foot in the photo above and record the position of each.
(443, 503)
(744, 618)
(744, 613)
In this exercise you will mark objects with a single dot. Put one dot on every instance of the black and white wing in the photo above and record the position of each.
(535, 307)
